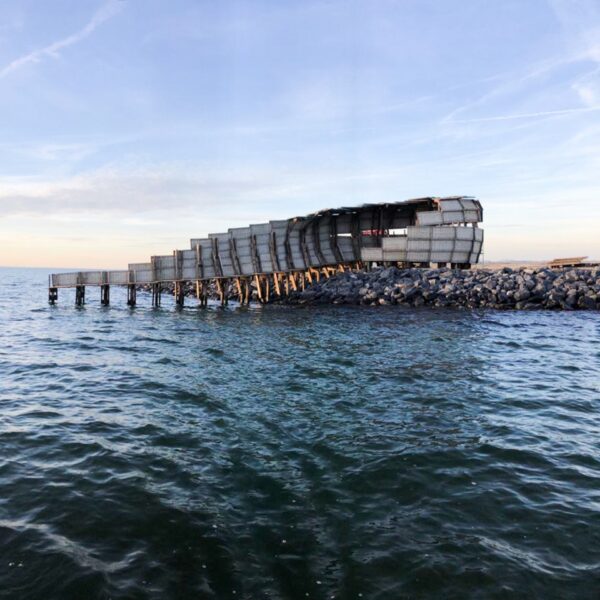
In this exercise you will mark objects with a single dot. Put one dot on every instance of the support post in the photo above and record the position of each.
(156, 294)
(80, 295)
(179, 293)
(131, 295)
(258, 288)
(52, 295)
(105, 295)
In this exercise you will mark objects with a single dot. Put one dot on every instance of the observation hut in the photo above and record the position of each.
(288, 254)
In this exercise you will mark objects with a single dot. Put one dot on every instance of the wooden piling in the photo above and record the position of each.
(79, 295)
(179, 293)
(131, 295)
(105, 295)
(52, 295)
(156, 294)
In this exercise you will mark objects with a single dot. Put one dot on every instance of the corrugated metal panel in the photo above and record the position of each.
(141, 272)
(441, 256)
(453, 216)
(443, 233)
(420, 245)
(118, 277)
(419, 233)
(429, 218)
(394, 243)
(91, 278)
(310, 247)
(65, 279)
(450, 205)
(295, 248)
(279, 230)
(346, 248)
(444, 245)
(261, 228)
(394, 255)
(416, 256)
(223, 236)
(463, 245)
(372, 254)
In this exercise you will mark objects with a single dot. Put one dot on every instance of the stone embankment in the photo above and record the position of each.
(569, 289)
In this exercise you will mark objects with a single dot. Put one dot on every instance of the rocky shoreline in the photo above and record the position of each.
(520, 289)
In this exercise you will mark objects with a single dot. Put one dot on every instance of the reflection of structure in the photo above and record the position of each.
(283, 255)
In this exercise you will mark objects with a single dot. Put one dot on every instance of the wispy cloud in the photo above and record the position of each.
(531, 115)
(106, 12)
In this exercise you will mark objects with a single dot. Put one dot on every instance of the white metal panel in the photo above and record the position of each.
(419, 244)
(429, 218)
(471, 216)
(441, 256)
(443, 233)
(442, 245)
(469, 204)
(372, 254)
(450, 205)
(464, 233)
(394, 255)
(260, 228)
(141, 272)
(463, 245)
(279, 230)
(419, 233)
(394, 243)
(456, 216)
(91, 278)
(416, 256)
(297, 256)
(65, 279)
(118, 277)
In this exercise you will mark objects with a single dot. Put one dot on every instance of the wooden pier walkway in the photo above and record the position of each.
(280, 256)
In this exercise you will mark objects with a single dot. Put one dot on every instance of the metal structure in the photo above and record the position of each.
(280, 256)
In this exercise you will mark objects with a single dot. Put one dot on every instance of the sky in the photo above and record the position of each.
(128, 127)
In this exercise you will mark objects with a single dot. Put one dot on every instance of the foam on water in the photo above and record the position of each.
(290, 453)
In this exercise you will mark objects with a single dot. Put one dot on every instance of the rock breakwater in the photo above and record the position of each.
(523, 289)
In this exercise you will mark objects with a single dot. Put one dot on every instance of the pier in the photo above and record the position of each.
(281, 256)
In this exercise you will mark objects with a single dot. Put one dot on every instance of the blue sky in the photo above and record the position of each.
(129, 126)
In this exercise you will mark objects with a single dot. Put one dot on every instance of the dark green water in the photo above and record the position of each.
(374, 453)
